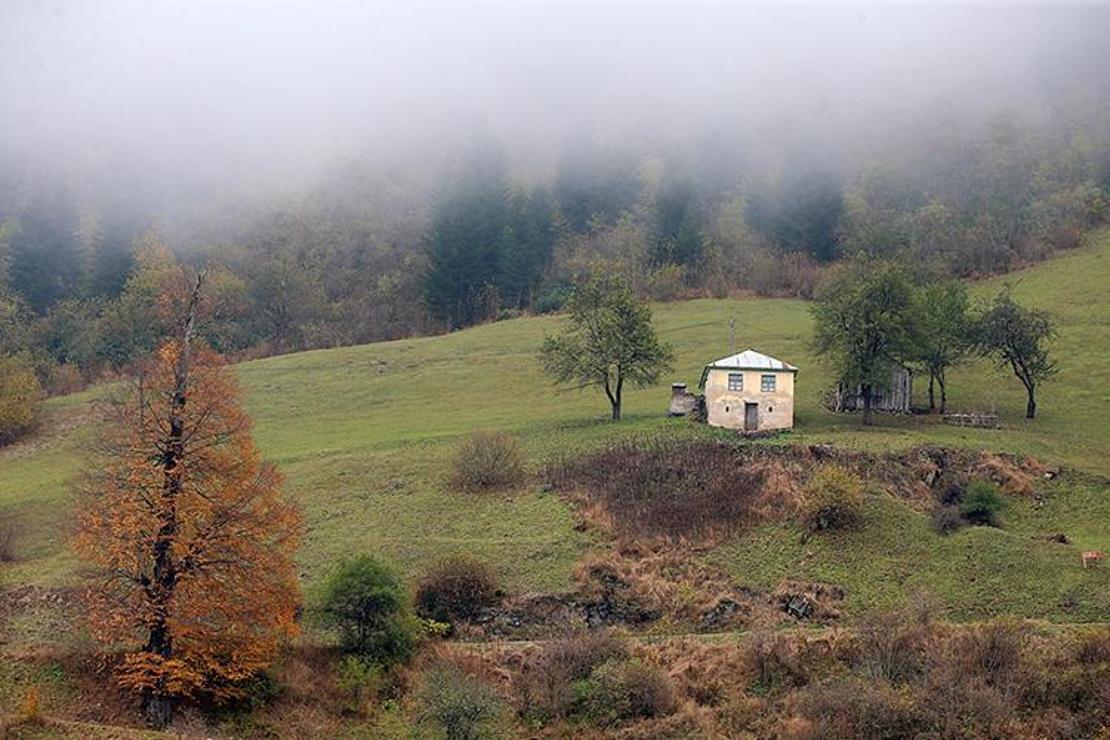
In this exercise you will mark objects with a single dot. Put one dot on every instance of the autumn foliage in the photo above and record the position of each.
(187, 534)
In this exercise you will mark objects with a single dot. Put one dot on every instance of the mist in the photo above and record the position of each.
(182, 107)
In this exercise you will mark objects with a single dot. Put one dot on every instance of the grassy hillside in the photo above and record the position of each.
(364, 436)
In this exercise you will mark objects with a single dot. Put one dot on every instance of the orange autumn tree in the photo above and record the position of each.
(185, 530)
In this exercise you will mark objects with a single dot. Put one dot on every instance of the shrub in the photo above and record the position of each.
(545, 686)
(20, 396)
(947, 519)
(893, 645)
(982, 503)
(994, 652)
(665, 487)
(553, 297)
(775, 661)
(63, 378)
(457, 589)
(622, 690)
(488, 460)
(853, 708)
(366, 602)
(458, 707)
(833, 500)
(360, 680)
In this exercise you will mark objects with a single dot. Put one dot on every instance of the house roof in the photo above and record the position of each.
(749, 359)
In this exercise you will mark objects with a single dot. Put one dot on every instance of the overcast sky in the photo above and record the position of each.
(207, 92)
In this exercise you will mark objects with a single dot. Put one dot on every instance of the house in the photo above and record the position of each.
(749, 391)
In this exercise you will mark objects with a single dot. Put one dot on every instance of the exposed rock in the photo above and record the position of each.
(724, 613)
(803, 600)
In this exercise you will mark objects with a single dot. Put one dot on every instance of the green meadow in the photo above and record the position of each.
(364, 436)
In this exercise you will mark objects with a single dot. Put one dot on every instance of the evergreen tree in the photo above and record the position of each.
(678, 237)
(595, 186)
(801, 212)
(45, 259)
(467, 234)
(111, 258)
(526, 247)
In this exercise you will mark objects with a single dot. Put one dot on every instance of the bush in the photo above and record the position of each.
(553, 297)
(666, 487)
(622, 690)
(367, 603)
(854, 708)
(776, 661)
(457, 589)
(20, 396)
(488, 460)
(982, 503)
(545, 687)
(63, 378)
(894, 645)
(833, 500)
(994, 652)
(947, 519)
(457, 707)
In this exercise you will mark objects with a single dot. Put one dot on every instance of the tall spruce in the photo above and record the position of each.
(45, 255)
(469, 219)
(526, 246)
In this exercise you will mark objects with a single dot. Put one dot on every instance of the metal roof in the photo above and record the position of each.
(749, 359)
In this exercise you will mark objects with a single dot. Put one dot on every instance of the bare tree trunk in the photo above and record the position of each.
(157, 705)
(1031, 403)
(614, 401)
(932, 404)
(943, 392)
(865, 391)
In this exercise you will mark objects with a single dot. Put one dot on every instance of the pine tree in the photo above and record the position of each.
(526, 246)
(465, 240)
(45, 257)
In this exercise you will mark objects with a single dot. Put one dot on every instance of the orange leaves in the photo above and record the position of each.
(186, 481)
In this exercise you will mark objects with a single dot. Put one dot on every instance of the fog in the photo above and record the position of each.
(186, 106)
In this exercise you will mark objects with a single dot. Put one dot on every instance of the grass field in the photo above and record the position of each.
(364, 436)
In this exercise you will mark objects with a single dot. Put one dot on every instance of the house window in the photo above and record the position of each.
(736, 381)
(767, 383)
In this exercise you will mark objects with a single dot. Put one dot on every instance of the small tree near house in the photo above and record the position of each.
(184, 529)
(865, 315)
(943, 338)
(1016, 337)
(610, 342)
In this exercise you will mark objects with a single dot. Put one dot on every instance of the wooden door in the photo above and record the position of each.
(751, 417)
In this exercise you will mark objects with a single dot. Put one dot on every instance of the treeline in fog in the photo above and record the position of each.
(365, 257)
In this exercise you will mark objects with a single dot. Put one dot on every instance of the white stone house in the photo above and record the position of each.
(749, 391)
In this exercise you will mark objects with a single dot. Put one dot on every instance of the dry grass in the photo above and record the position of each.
(666, 488)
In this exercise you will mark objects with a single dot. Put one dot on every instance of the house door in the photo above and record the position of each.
(751, 417)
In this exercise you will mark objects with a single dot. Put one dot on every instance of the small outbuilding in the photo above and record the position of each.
(749, 391)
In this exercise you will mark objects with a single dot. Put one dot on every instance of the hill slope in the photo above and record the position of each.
(365, 434)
